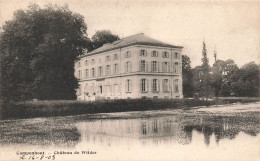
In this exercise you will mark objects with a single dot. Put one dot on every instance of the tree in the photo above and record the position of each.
(245, 81)
(38, 49)
(187, 77)
(223, 76)
(204, 74)
(217, 76)
(102, 37)
(225, 89)
(196, 81)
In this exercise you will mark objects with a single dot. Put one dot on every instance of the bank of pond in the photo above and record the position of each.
(50, 108)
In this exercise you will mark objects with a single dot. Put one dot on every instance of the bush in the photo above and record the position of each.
(30, 109)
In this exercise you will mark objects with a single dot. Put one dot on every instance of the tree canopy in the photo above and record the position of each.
(38, 49)
(203, 74)
(187, 76)
(102, 37)
(247, 81)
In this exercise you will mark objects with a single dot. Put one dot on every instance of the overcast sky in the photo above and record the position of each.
(232, 28)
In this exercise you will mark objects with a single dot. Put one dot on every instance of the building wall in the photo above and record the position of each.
(115, 86)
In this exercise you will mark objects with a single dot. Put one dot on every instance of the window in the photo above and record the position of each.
(143, 85)
(144, 126)
(128, 54)
(100, 89)
(86, 73)
(107, 58)
(128, 85)
(176, 55)
(155, 66)
(128, 67)
(100, 71)
(176, 67)
(115, 56)
(108, 70)
(165, 85)
(142, 65)
(92, 61)
(79, 74)
(154, 53)
(176, 86)
(116, 69)
(86, 62)
(165, 54)
(143, 53)
(155, 85)
(93, 72)
(165, 67)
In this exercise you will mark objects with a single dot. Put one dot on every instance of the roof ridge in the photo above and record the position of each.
(132, 36)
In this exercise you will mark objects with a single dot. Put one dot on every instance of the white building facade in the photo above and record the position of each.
(131, 68)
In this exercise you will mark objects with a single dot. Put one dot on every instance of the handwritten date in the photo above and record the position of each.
(41, 157)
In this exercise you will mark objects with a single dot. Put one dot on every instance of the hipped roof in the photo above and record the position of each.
(139, 39)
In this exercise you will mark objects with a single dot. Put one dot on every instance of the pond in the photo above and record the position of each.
(198, 134)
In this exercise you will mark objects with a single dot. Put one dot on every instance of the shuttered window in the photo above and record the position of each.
(154, 54)
(165, 85)
(165, 54)
(100, 71)
(128, 85)
(144, 85)
(128, 54)
(155, 66)
(143, 53)
(128, 67)
(86, 73)
(176, 67)
(108, 70)
(155, 85)
(116, 69)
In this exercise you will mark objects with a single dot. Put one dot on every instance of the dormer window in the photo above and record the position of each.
(143, 53)
(165, 54)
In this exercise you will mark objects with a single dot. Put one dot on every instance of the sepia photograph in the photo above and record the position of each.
(129, 80)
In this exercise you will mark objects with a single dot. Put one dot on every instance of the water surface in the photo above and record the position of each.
(198, 134)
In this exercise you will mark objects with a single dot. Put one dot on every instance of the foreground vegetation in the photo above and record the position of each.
(30, 109)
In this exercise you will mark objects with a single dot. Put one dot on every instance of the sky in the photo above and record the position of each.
(231, 28)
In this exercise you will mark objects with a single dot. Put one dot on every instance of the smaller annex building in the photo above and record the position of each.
(133, 67)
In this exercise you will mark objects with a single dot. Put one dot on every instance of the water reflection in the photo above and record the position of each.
(221, 126)
(165, 131)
